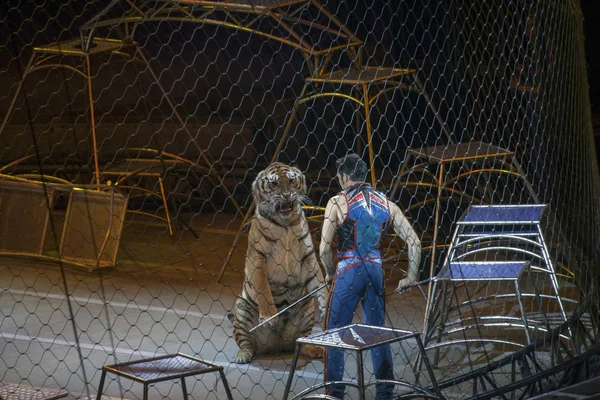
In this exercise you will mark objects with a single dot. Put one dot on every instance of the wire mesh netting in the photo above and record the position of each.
(146, 229)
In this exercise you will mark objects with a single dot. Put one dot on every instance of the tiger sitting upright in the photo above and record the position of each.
(281, 267)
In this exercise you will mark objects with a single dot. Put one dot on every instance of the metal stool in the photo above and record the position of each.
(360, 338)
(10, 391)
(158, 369)
(474, 271)
(511, 236)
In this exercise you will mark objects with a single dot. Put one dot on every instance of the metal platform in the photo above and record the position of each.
(482, 270)
(504, 215)
(360, 338)
(10, 391)
(366, 75)
(158, 369)
(357, 337)
(460, 152)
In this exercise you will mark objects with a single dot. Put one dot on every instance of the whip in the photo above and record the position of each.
(300, 300)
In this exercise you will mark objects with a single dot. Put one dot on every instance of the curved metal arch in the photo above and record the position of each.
(138, 172)
(16, 162)
(330, 94)
(42, 178)
(147, 214)
(51, 66)
(323, 385)
(57, 185)
(420, 391)
(528, 351)
(396, 86)
(418, 184)
(506, 248)
(161, 153)
(483, 170)
(148, 192)
(418, 168)
(139, 20)
(474, 323)
(505, 296)
(467, 341)
(486, 237)
(475, 326)
(43, 60)
(186, 14)
(165, 153)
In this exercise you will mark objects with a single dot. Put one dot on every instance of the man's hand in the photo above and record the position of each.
(405, 284)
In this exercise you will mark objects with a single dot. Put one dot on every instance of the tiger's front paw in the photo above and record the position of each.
(244, 356)
(263, 316)
(322, 314)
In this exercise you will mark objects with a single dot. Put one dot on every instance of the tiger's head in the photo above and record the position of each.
(279, 191)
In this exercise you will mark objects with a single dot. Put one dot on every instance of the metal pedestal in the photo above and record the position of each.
(360, 338)
(158, 369)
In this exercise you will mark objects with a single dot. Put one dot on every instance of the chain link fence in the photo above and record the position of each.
(132, 132)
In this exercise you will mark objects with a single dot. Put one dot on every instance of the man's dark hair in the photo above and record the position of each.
(353, 166)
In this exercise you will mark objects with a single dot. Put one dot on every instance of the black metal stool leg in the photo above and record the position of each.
(101, 387)
(361, 377)
(145, 391)
(225, 384)
(423, 357)
(184, 388)
(288, 385)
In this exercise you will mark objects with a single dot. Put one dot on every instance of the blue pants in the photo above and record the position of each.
(362, 282)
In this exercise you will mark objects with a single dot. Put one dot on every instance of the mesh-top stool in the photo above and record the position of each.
(359, 338)
(10, 391)
(163, 368)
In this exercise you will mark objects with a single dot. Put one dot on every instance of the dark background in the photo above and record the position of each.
(591, 30)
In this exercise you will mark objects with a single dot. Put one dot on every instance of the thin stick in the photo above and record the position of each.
(300, 300)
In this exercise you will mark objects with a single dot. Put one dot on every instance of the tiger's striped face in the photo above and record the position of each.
(278, 190)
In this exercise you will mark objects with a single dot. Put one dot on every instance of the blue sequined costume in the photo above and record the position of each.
(359, 276)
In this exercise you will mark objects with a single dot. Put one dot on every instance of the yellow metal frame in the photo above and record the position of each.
(49, 192)
(369, 83)
(122, 176)
(68, 54)
(53, 185)
(160, 160)
(287, 24)
(442, 156)
(97, 262)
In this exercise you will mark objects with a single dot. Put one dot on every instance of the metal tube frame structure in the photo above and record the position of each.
(43, 57)
(361, 80)
(286, 14)
(442, 180)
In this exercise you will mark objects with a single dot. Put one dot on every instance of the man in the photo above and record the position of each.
(361, 216)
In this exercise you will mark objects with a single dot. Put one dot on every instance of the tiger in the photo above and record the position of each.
(280, 267)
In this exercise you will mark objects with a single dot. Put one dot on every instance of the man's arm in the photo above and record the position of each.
(406, 232)
(330, 223)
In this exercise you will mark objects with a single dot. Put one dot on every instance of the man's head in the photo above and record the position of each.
(351, 168)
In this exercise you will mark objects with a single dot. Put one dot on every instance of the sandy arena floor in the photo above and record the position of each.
(161, 298)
